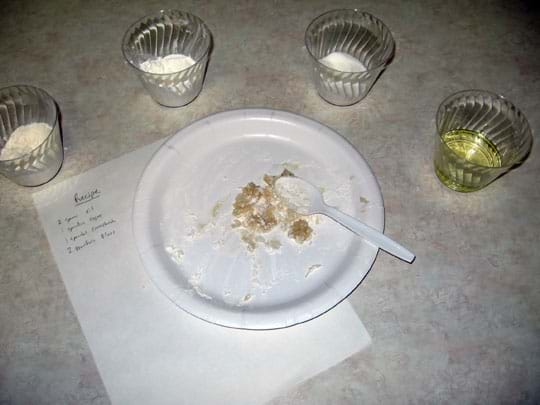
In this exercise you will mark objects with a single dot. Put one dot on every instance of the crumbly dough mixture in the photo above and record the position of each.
(257, 210)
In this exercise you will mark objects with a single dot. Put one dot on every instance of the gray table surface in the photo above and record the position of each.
(460, 325)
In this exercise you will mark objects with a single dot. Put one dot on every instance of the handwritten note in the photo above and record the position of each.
(86, 224)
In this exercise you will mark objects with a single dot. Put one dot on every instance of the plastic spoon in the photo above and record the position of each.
(304, 198)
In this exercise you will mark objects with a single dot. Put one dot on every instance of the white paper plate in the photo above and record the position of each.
(182, 216)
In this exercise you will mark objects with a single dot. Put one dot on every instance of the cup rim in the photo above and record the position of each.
(161, 12)
(52, 127)
(495, 96)
(356, 11)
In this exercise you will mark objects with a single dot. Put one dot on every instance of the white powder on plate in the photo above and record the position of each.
(168, 64)
(24, 140)
(295, 193)
(343, 62)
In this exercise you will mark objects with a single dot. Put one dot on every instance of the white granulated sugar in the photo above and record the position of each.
(168, 64)
(24, 140)
(343, 62)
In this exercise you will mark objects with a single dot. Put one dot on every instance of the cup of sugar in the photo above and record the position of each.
(349, 49)
(31, 151)
(169, 51)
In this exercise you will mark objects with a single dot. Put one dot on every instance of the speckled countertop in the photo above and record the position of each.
(460, 325)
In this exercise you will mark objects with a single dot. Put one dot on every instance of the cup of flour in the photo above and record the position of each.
(349, 50)
(31, 151)
(169, 51)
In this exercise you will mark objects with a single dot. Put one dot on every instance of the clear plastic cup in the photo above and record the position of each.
(357, 34)
(24, 105)
(480, 136)
(168, 33)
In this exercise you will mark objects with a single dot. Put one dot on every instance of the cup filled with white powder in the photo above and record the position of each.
(169, 51)
(349, 50)
(31, 151)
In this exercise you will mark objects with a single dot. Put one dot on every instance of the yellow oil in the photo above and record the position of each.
(466, 160)
(473, 146)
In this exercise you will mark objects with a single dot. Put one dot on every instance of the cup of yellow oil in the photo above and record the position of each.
(481, 135)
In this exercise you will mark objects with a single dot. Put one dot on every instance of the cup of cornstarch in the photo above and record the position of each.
(31, 151)
(169, 51)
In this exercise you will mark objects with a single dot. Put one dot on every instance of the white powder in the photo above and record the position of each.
(168, 64)
(343, 62)
(24, 140)
(295, 193)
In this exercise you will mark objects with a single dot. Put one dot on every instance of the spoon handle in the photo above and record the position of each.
(372, 235)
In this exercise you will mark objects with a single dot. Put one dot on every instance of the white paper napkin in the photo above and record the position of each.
(147, 349)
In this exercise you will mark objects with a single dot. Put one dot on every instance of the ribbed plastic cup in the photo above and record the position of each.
(167, 33)
(24, 105)
(357, 34)
(481, 135)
